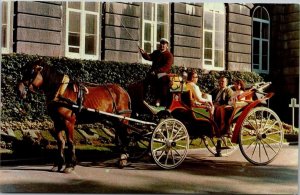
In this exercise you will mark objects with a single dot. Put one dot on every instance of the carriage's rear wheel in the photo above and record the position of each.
(169, 143)
(261, 136)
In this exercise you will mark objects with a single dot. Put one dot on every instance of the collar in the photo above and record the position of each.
(62, 88)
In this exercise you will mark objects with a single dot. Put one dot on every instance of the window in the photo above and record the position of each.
(5, 34)
(155, 24)
(213, 36)
(260, 40)
(82, 30)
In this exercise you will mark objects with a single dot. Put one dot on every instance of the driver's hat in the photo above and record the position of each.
(164, 40)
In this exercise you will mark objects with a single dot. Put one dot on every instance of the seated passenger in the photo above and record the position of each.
(221, 96)
(239, 88)
(197, 97)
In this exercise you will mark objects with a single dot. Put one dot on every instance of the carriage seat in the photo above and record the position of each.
(199, 110)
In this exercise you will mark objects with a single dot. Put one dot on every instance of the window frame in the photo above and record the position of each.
(213, 31)
(83, 13)
(154, 23)
(6, 50)
(261, 40)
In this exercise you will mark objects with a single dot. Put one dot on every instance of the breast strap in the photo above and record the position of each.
(62, 88)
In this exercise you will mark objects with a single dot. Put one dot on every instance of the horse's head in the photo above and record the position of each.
(32, 78)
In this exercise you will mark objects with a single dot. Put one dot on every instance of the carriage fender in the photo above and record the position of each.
(242, 117)
(240, 120)
(164, 114)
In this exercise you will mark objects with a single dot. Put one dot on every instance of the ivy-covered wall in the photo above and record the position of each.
(33, 108)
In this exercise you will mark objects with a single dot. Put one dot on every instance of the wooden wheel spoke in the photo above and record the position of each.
(158, 149)
(181, 138)
(159, 141)
(269, 146)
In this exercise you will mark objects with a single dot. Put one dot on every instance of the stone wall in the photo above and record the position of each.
(38, 28)
(121, 32)
(284, 60)
(239, 32)
(187, 34)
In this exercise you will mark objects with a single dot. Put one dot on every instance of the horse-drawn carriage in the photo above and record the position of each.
(257, 130)
(167, 132)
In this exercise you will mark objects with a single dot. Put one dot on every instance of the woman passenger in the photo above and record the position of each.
(239, 88)
(197, 97)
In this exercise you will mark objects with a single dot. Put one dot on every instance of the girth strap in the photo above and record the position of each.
(115, 110)
(81, 90)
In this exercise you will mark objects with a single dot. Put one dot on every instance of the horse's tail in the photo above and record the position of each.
(129, 99)
(136, 93)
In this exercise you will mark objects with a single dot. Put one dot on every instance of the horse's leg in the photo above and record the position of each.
(70, 153)
(59, 162)
(122, 142)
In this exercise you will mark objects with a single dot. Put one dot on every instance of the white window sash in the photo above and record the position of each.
(213, 31)
(261, 40)
(5, 50)
(83, 13)
(154, 23)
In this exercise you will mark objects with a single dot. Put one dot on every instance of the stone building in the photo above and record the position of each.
(263, 38)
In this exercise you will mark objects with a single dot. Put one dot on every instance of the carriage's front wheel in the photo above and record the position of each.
(169, 143)
(261, 136)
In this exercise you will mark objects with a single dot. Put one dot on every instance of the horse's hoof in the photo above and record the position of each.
(68, 169)
(56, 168)
(122, 163)
(123, 160)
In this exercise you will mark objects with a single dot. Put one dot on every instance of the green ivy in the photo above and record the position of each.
(33, 108)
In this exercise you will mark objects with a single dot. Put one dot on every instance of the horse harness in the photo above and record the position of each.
(81, 91)
(78, 88)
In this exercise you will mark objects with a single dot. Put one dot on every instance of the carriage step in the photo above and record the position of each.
(154, 109)
(225, 148)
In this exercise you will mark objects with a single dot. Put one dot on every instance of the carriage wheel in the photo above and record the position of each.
(261, 136)
(211, 143)
(169, 143)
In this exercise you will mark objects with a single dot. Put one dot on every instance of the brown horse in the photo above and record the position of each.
(61, 93)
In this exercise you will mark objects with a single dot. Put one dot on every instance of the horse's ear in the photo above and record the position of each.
(39, 68)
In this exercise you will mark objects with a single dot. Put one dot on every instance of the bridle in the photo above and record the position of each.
(32, 79)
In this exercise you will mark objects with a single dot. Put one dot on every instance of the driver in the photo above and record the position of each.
(162, 60)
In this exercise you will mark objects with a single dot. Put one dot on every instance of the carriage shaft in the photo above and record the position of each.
(115, 115)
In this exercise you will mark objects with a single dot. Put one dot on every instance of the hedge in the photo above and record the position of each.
(33, 108)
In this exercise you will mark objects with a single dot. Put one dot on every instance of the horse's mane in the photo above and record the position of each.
(52, 78)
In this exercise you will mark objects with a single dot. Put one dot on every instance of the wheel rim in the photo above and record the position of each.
(261, 136)
(169, 143)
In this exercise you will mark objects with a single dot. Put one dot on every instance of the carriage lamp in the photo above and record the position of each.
(180, 78)
(184, 76)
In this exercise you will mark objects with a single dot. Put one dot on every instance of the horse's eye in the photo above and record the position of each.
(32, 71)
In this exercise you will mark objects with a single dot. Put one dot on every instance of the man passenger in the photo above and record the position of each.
(221, 95)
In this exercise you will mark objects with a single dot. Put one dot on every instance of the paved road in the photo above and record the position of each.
(199, 173)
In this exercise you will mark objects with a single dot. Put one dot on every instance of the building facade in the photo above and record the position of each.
(262, 38)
